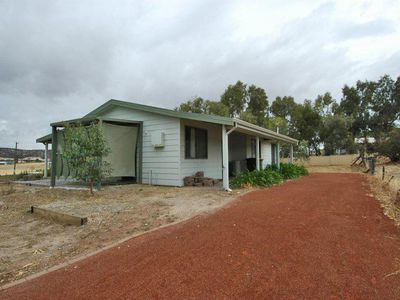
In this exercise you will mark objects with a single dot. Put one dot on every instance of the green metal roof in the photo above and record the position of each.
(45, 139)
(161, 111)
(96, 114)
(72, 121)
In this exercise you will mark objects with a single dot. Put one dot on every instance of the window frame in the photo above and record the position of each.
(189, 143)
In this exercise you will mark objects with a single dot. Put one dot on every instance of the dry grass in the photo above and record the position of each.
(333, 169)
(386, 188)
(30, 244)
(325, 161)
(392, 177)
(385, 196)
(21, 167)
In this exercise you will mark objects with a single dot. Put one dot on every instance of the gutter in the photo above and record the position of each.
(235, 126)
(266, 132)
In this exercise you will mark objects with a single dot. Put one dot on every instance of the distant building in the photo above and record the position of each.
(370, 140)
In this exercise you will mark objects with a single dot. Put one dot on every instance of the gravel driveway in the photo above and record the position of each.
(323, 236)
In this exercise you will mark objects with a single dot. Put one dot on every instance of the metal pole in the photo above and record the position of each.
(225, 159)
(53, 156)
(15, 156)
(291, 153)
(46, 162)
(278, 157)
(257, 153)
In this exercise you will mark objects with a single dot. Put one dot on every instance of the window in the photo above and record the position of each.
(195, 143)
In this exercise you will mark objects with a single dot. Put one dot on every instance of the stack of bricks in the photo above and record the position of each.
(199, 180)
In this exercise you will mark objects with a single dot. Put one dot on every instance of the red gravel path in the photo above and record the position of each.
(318, 237)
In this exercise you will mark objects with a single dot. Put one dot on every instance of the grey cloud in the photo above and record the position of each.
(60, 59)
(377, 27)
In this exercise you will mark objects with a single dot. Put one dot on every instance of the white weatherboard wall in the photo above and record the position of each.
(266, 153)
(162, 163)
(212, 167)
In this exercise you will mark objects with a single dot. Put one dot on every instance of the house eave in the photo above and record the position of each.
(161, 111)
(45, 139)
(84, 120)
(265, 133)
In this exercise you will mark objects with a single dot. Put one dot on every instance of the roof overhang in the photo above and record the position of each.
(246, 127)
(85, 120)
(45, 139)
(239, 124)
(160, 111)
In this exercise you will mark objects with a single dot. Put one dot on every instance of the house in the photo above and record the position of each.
(159, 146)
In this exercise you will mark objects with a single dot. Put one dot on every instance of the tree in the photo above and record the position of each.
(384, 106)
(373, 106)
(283, 107)
(258, 104)
(302, 152)
(248, 117)
(84, 152)
(323, 104)
(335, 134)
(235, 98)
(306, 124)
(390, 146)
(216, 108)
(356, 104)
(195, 105)
(273, 123)
(201, 106)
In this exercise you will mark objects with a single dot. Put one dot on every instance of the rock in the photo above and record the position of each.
(199, 174)
(188, 181)
(208, 183)
(216, 181)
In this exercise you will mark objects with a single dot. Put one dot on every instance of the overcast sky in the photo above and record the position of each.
(61, 59)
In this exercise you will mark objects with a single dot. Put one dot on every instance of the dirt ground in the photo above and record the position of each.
(21, 167)
(320, 237)
(29, 244)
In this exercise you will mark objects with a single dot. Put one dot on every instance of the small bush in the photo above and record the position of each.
(270, 176)
(260, 178)
(290, 171)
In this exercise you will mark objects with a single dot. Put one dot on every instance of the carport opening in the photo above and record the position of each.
(123, 140)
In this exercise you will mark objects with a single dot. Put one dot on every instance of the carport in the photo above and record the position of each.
(124, 137)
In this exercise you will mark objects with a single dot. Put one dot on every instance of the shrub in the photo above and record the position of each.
(260, 178)
(84, 150)
(290, 171)
(270, 176)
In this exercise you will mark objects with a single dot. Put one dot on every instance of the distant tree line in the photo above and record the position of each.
(367, 109)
